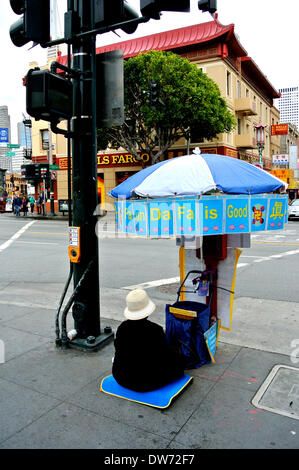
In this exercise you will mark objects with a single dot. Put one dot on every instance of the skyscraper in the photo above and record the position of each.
(288, 105)
(5, 162)
(24, 135)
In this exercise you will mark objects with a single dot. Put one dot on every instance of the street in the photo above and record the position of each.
(64, 407)
(266, 270)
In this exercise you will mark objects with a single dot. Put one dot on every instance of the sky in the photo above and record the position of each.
(267, 29)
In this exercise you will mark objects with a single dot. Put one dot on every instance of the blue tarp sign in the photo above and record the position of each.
(185, 217)
(160, 219)
(258, 214)
(208, 215)
(237, 215)
(276, 214)
(212, 213)
(140, 218)
(211, 338)
(129, 218)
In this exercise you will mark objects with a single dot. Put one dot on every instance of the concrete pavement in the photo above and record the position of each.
(50, 398)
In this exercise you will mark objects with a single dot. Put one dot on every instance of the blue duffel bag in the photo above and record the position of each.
(187, 335)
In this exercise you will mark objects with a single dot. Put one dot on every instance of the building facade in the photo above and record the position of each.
(5, 161)
(217, 51)
(24, 135)
(288, 104)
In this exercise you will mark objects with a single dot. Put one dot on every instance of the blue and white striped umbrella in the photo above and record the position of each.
(197, 174)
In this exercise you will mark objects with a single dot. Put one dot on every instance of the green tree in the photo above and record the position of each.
(186, 99)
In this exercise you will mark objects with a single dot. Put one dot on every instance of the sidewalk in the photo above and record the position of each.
(50, 398)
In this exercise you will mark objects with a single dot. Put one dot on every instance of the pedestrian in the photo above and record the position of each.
(18, 205)
(38, 204)
(143, 359)
(42, 203)
(13, 204)
(32, 203)
(24, 205)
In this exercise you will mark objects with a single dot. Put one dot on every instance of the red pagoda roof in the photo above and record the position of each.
(188, 36)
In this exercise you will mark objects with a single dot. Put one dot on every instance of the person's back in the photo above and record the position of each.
(143, 360)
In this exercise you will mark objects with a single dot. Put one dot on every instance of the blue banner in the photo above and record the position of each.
(212, 215)
(258, 212)
(276, 214)
(208, 215)
(185, 217)
(140, 218)
(237, 215)
(160, 219)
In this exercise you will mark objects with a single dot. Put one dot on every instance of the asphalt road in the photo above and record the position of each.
(36, 252)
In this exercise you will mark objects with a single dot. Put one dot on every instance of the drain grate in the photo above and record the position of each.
(280, 392)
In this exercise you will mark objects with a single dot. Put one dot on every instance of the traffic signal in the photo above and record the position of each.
(208, 5)
(43, 172)
(153, 8)
(34, 25)
(112, 12)
(110, 88)
(35, 171)
(153, 94)
(48, 96)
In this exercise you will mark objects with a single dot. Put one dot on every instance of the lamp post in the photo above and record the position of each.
(260, 141)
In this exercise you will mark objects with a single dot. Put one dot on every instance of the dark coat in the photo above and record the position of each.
(143, 360)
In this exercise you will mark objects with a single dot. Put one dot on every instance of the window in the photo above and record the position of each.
(238, 89)
(239, 126)
(45, 139)
(228, 80)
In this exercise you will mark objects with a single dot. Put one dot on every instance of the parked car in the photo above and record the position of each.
(293, 209)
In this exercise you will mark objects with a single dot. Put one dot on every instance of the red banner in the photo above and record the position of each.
(280, 129)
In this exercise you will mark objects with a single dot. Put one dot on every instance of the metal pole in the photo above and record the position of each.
(50, 153)
(86, 308)
(44, 201)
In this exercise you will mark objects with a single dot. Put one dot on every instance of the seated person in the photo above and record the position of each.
(143, 359)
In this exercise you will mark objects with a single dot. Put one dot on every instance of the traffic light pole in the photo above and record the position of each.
(86, 308)
(50, 158)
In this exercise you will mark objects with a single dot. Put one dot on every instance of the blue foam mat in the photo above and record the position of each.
(160, 398)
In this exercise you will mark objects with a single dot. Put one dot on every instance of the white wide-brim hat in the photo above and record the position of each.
(139, 305)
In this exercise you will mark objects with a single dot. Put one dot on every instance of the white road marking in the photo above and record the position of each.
(148, 285)
(37, 243)
(26, 304)
(15, 236)
(240, 265)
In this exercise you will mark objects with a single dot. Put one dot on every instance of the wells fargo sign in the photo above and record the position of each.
(121, 159)
(280, 129)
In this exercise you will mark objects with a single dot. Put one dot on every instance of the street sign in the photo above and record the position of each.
(10, 154)
(3, 134)
(13, 146)
(53, 167)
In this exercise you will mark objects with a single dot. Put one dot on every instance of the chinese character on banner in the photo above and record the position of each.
(276, 215)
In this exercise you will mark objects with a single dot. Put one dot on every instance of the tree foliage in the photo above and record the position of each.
(186, 99)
